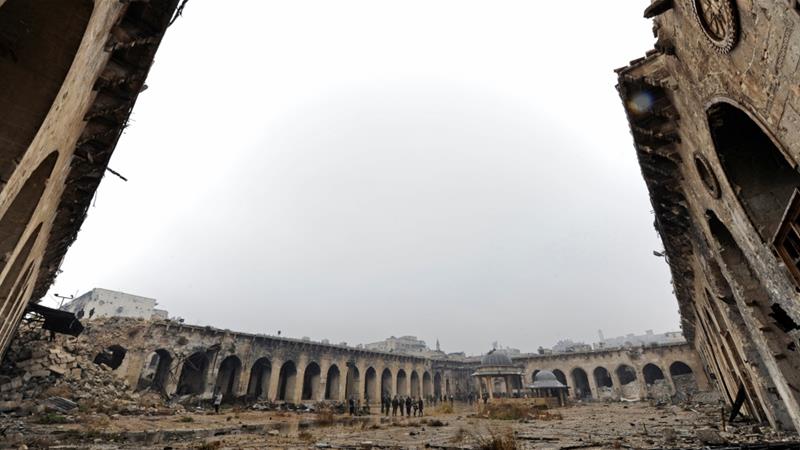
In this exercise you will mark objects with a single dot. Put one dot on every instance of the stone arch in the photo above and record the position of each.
(414, 389)
(352, 382)
(230, 369)
(602, 378)
(260, 374)
(41, 40)
(371, 385)
(287, 379)
(402, 383)
(652, 373)
(311, 381)
(760, 313)
(683, 377)
(560, 377)
(437, 384)
(386, 382)
(427, 384)
(581, 385)
(626, 374)
(756, 169)
(193, 374)
(332, 382)
(156, 372)
(533, 375)
(111, 356)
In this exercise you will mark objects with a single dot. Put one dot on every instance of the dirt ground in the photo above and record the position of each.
(584, 426)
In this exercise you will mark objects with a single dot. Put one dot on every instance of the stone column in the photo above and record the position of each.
(297, 395)
(324, 367)
(343, 371)
(617, 384)
(274, 379)
(490, 386)
(593, 385)
(362, 379)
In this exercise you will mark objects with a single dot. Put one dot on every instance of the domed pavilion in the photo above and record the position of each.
(494, 366)
(546, 386)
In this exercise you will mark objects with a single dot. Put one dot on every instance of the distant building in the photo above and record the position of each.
(402, 344)
(569, 346)
(107, 303)
(638, 340)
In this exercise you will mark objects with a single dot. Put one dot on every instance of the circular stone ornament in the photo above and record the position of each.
(719, 21)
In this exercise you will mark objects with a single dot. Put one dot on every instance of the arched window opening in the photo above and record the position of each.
(626, 374)
(38, 43)
(332, 383)
(602, 378)
(228, 377)
(287, 377)
(402, 383)
(414, 384)
(311, 378)
(156, 372)
(111, 357)
(193, 374)
(533, 375)
(561, 377)
(581, 384)
(437, 384)
(351, 382)
(371, 393)
(260, 373)
(759, 174)
(386, 382)
(683, 378)
(652, 374)
(427, 385)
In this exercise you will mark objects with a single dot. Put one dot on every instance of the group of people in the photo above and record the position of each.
(408, 406)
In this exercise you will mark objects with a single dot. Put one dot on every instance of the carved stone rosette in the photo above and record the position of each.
(719, 21)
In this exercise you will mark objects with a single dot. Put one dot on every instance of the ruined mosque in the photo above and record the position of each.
(714, 114)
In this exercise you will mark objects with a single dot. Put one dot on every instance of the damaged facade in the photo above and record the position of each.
(177, 359)
(714, 111)
(70, 72)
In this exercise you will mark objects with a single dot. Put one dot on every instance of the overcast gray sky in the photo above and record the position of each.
(351, 170)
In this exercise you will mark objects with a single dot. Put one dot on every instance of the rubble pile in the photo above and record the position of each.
(44, 374)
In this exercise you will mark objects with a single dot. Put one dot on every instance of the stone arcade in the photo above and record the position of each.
(177, 358)
(713, 110)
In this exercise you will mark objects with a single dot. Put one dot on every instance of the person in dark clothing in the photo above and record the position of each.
(420, 405)
(394, 406)
(383, 404)
(451, 399)
(352, 404)
(388, 404)
(408, 406)
(402, 404)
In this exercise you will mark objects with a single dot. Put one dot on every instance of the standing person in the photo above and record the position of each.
(420, 406)
(366, 403)
(451, 400)
(414, 406)
(408, 406)
(402, 404)
(394, 405)
(383, 404)
(217, 401)
(388, 403)
(352, 405)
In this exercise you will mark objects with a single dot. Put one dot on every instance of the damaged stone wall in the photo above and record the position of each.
(664, 358)
(70, 72)
(713, 111)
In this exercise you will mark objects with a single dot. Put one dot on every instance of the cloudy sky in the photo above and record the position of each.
(350, 170)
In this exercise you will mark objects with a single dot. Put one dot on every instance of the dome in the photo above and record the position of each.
(494, 358)
(547, 379)
(544, 375)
